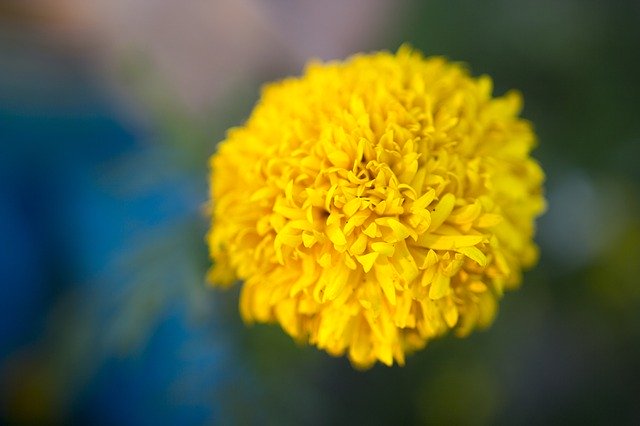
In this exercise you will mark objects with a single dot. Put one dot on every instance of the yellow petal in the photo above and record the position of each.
(359, 245)
(477, 287)
(465, 214)
(336, 281)
(442, 211)
(439, 286)
(404, 263)
(325, 260)
(380, 207)
(308, 239)
(339, 159)
(389, 291)
(335, 235)
(371, 230)
(402, 315)
(383, 248)
(367, 260)
(385, 277)
(399, 231)
(424, 200)
(286, 314)
(488, 220)
(329, 197)
(349, 262)
(450, 313)
(474, 254)
(352, 207)
(448, 242)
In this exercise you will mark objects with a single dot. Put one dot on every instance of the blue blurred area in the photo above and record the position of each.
(147, 389)
(59, 223)
(67, 214)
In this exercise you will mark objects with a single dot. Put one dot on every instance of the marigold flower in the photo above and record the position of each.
(372, 205)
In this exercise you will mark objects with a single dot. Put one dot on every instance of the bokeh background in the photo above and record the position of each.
(109, 110)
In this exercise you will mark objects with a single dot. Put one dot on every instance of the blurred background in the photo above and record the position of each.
(109, 110)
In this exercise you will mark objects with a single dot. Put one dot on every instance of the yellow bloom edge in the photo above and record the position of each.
(374, 204)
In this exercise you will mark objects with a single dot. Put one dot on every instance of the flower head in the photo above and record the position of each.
(372, 205)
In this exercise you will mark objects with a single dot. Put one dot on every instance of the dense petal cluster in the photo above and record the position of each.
(372, 205)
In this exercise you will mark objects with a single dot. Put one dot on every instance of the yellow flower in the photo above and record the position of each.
(372, 205)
